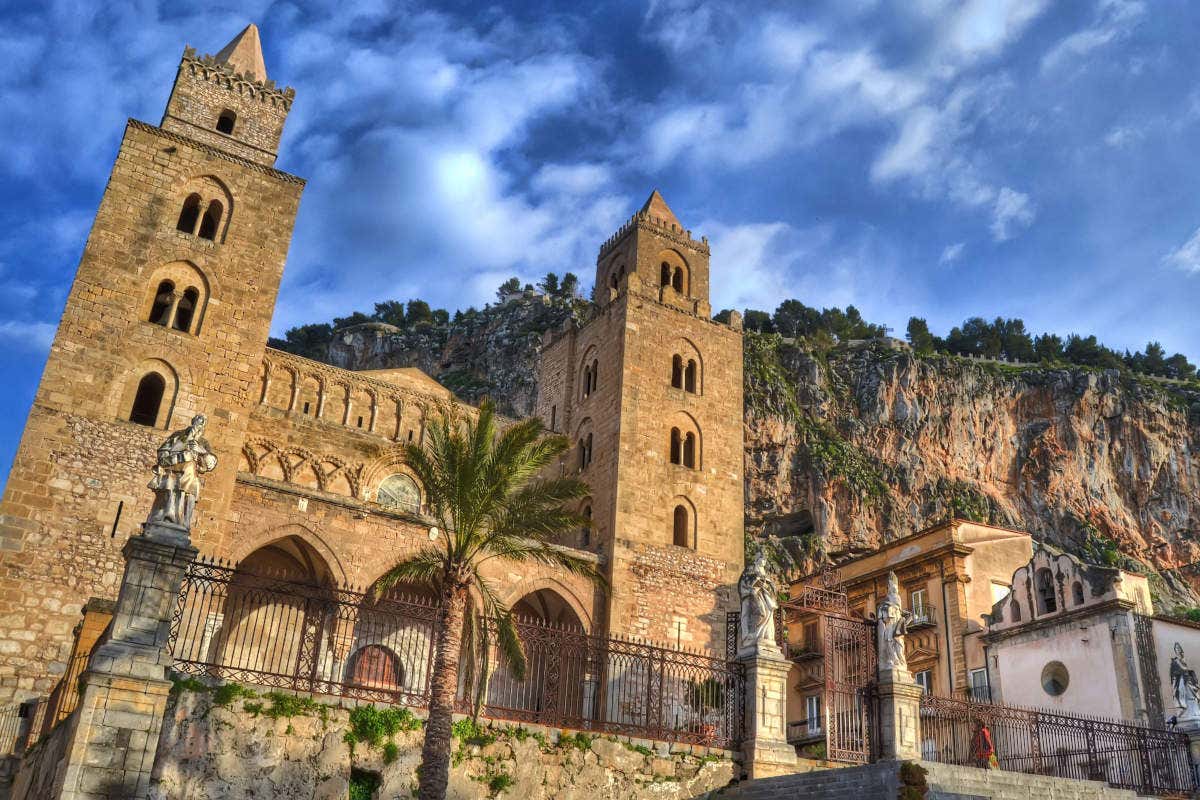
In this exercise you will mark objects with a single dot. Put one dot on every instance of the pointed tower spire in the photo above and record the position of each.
(244, 53)
(655, 206)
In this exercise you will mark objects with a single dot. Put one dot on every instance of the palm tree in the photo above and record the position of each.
(486, 489)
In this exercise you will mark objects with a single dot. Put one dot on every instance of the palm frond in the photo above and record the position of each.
(518, 550)
(425, 567)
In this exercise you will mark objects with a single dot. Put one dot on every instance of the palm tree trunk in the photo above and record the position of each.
(443, 691)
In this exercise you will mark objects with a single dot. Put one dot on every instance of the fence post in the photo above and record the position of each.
(765, 749)
(899, 695)
(112, 738)
(1189, 725)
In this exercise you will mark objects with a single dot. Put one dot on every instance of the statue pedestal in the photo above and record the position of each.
(1189, 725)
(124, 690)
(765, 749)
(899, 716)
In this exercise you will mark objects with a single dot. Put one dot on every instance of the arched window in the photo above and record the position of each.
(676, 372)
(689, 450)
(585, 451)
(189, 214)
(589, 450)
(186, 309)
(211, 221)
(226, 120)
(676, 446)
(1015, 611)
(1077, 593)
(400, 493)
(617, 275)
(585, 534)
(680, 535)
(677, 280)
(595, 374)
(664, 277)
(1044, 583)
(148, 400)
(164, 299)
(376, 665)
(689, 376)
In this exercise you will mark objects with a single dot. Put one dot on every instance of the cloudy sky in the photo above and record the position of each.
(929, 157)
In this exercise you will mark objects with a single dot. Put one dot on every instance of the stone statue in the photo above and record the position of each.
(182, 458)
(1184, 685)
(891, 624)
(759, 595)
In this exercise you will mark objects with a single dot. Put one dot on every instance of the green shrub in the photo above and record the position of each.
(375, 726)
(469, 731)
(500, 782)
(227, 693)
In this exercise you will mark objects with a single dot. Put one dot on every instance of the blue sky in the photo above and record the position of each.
(943, 159)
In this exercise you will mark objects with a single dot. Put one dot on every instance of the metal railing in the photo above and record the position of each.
(1126, 756)
(10, 728)
(278, 633)
(923, 615)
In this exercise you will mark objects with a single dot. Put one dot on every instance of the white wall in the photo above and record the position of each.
(1085, 649)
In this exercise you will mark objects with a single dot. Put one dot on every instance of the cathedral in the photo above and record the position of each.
(168, 317)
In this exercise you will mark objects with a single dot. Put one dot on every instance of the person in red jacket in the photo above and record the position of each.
(982, 749)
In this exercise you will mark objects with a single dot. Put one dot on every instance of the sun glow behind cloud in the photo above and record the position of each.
(936, 158)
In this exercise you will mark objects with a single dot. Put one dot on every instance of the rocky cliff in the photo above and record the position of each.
(490, 353)
(852, 447)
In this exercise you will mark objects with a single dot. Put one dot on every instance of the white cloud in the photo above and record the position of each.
(1013, 209)
(952, 253)
(27, 336)
(1123, 135)
(1112, 20)
(1187, 256)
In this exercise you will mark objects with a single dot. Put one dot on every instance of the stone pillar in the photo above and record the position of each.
(123, 694)
(899, 716)
(765, 749)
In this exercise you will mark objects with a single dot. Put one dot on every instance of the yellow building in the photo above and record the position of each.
(950, 576)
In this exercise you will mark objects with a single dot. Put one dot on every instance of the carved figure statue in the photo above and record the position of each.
(891, 624)
(182, 458)
(759, 596)
(1184, 685)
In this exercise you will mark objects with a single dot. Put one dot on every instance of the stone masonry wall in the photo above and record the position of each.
(255, 747)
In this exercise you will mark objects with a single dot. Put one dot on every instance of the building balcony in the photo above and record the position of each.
(804, 731)
(803, 651)
(923, 616)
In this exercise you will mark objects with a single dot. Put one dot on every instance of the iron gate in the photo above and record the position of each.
(849, 670)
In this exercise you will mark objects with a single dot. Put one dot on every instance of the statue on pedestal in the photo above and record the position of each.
(181, 459)
(1184, 686)
(891, 624)
(759, 600)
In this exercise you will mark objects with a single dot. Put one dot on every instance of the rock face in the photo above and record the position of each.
(490, 353)
(232, 752)
(850, 448)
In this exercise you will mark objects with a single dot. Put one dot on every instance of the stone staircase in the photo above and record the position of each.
(946, 782)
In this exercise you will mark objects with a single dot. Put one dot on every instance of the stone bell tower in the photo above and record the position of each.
(168, 316)
(649, 391)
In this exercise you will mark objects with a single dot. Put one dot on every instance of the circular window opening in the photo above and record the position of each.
(1055, 678)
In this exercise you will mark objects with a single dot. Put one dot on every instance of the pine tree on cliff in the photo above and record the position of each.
(485, 489)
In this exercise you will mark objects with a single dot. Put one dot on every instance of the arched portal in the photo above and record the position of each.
(557, 684)
(269, 627)
(384, 649)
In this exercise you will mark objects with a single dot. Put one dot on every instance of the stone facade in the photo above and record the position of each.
(169, 315)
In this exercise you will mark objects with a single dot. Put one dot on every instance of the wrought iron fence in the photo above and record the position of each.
(278, 633)
(10, 728)
(1126, 756)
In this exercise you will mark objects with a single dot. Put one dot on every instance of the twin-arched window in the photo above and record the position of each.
(671, 276)
(200, 218)
(591, 374)
(683, 448)
(683, 374)
(173, 309)
(1047, 600)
